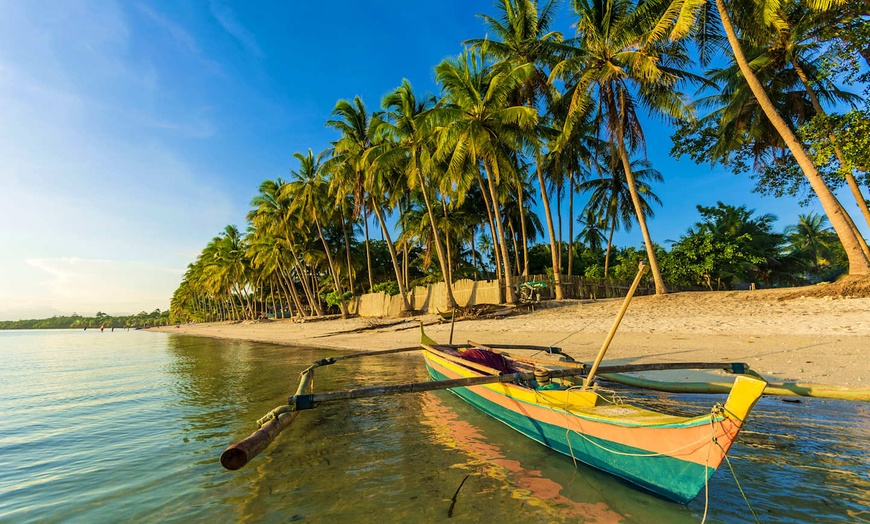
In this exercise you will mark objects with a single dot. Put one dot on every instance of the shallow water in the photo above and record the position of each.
(128, 426)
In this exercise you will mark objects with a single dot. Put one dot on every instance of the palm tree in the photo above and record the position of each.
(798, 27)
(859, 263)
(616, 52)
(523, 38)
(811, 236)
(611, 197)
(272, 211)
(348, 165)
(591, 234)
(483, 127)
(782, 63)
(407, 126)
(309, 191)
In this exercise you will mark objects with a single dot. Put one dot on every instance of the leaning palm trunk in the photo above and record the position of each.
(347, 252)
(554, 250)
(368, 248)
(495, 252)
(838, 151)
(290, 287)
(332, 269)
(859, 264)
(570, 222)
(641, 219)
(510, 293)
(402, 289)
(447, 245)
(609, 244)
(439, 249)
(313, 301)
(523, 231)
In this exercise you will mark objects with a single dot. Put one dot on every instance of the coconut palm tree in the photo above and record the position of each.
(348, 165)
(591, 233)
(859, 263)
(811, 236)
(272, 212)
(407, 124)
(618, 65)
(611, 198)
(482, 127)
(310, 201)
(797, 46)
(523, 38)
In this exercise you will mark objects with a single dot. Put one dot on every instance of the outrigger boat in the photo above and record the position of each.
(669, 455)
(558, 404)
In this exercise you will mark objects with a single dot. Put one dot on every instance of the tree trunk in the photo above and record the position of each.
(847, 174)
(292, 290)
(523, 231)
(516, 247)
(310, 294)
(510, 292)
(447, 245)
(609, 244)
(554, 251)
(570, 222)
(641, 219)
(474, 254)
(335, 279)
(858, 262)
(402, 289)
(451, 301)
(489, 215)
(347, 252)
(559, 220)
(368, 250)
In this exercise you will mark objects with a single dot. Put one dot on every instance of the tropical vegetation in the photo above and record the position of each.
(99, 320)
(530, 116)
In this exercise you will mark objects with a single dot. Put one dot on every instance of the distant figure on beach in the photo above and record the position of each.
(101, 328)
(113, 329)
(86, 328)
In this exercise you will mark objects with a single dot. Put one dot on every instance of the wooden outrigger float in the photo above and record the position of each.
(669, 455)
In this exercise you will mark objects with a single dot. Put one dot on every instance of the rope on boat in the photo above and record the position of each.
(568, 431)
(718, 408)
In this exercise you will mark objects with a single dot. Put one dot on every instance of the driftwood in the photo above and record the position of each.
(365, 328)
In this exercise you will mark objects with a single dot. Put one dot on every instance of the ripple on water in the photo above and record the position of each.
(129, 426)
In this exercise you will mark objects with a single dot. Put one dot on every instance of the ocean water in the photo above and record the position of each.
(128, 426)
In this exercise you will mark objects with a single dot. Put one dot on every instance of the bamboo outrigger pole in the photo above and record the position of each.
(641, 269)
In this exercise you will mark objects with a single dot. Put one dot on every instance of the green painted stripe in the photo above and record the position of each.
(669, 477)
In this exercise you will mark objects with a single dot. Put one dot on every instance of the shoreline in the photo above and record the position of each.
(785, 339)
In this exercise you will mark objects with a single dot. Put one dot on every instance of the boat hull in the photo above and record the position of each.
(670, 456)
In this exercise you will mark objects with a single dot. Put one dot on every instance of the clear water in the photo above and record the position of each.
(128, 427)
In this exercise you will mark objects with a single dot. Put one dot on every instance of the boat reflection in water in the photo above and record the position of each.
(544, 480)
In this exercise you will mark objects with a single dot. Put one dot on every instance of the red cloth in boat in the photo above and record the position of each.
(487, 358)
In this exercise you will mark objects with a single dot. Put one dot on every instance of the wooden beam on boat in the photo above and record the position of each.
(306, 401)
(379, 352)
(240, 453)
(548, 349)
(781, 389)
(731, 367)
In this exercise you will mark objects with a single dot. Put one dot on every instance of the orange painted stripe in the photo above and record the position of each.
(692, 443)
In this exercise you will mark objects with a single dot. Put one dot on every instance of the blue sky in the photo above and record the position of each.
(133, 132)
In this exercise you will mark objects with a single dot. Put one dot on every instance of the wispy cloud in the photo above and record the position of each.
(180, 36)
(227, 19)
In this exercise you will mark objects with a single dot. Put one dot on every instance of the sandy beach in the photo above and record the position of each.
(779, 333)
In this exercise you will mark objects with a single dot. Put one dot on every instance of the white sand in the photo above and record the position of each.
(812, 340)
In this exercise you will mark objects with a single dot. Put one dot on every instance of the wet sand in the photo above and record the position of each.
(782, 336)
